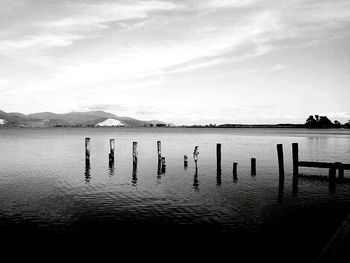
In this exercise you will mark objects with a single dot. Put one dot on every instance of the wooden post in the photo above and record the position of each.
(253, 166)
(332, 177)
(195, 154)
(185, 160)
(111, 150)
(234, 171)
(87, 150)
(280, 160)
(218, 155)
(159, 150)
(295, 151)
(134, 152)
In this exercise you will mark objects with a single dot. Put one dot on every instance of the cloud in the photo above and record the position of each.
(44, 40)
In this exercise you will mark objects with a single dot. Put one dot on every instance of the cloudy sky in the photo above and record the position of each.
(186, 62)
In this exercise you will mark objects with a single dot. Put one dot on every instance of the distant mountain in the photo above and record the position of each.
(72, 119)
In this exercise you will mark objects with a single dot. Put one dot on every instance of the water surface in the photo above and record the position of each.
(46, 188)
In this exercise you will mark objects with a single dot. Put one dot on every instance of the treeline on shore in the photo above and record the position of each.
(313, 122)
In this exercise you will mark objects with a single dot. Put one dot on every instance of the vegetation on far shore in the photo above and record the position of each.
(313, 122)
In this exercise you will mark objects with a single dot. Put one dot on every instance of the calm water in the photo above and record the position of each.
(46, 189)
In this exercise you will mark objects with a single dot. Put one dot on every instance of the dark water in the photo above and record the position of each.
(48, 195)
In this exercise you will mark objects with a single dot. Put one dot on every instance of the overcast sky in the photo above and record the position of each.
(186, 62)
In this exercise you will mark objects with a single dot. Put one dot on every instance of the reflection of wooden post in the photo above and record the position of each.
(159, 150)
(280, 160)
(195, 154)
(134, 152)
(111, 150)
(87, 150)
(253, 166)
(295, 151)
(234, 171)
(332, 175)
(163, 164)
(340, 171)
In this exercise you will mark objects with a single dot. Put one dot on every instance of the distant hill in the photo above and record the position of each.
(71, 119)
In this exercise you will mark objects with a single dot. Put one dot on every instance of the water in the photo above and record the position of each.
(47, 192)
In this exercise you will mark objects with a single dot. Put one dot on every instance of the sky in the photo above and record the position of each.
(184, 62)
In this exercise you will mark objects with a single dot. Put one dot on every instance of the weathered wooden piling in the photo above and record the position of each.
(295, 153)
(87, 150)
(218, 155)
(159, 150)
(195, 154)
(280, 160)
(185, 160)
(253, 166)
(111, 150)
(134, 152)
(234, 171)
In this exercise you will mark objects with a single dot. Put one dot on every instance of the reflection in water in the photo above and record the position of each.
(295, 184)
(234, 172)
(87, 171)
(195, 180)
(111, 169)
(218, 175)
(159, 172)
(280, 189)
(134, 174)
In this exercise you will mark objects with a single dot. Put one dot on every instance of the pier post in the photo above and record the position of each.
(195, 154)
(295, 152)
(280, 160)
(234, 171)
(111, 150)
(134, 152)
(87, 150)
(159, 150)
(218, 155)
(253, 166)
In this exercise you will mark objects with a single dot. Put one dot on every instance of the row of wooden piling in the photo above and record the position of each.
(161, 159)
(333, 167)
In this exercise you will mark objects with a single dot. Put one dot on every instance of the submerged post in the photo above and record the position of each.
(185, 160)
(253, 166)
(234, 171)
(87, 150)
(295, 151)
(159, 150)
(111, 150)
(218, 155)
(280, 160)
(134, 152)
